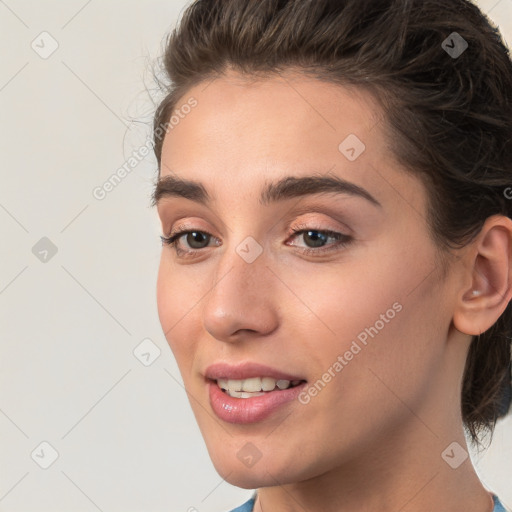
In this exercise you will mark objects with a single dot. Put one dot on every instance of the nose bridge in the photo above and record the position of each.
(245, 262)
(241, 296)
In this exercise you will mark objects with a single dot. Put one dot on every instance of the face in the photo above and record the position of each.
(352, 303)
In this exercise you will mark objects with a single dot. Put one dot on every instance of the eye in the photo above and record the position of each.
(195, 238)
(315, 238)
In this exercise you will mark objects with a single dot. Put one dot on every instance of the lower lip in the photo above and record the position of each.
(249, 410)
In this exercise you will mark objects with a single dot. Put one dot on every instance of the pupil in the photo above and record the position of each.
(191, 241)
(316, 238)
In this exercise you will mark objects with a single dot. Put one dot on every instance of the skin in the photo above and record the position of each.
(372, 439)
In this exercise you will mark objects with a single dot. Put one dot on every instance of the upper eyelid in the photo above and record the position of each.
(307, 206)
(288, 220)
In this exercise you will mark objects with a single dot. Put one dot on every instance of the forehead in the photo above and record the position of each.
(244, 132)
(287, 114)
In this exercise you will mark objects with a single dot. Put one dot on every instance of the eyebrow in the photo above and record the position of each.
(285, 188)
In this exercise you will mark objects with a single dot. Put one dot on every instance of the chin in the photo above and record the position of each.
(251, 478)
(265, 472)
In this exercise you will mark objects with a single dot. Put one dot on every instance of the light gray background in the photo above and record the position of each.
(124, 432)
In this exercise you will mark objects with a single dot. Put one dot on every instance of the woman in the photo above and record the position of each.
(335, 280)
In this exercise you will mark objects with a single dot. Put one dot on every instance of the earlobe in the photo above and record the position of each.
(488, 288)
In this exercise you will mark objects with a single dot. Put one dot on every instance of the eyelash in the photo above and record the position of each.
(342, 239)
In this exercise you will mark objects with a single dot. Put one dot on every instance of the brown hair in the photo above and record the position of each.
(448, 117)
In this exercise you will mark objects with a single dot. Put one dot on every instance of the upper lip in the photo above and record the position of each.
(246, 370)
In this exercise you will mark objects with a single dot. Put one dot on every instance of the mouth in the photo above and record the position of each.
(249, 392)
(254, 386)
(231, 402)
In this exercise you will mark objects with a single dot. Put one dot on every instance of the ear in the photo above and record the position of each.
(487, 286)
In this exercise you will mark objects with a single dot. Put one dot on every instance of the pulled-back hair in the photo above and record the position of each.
(447, 117)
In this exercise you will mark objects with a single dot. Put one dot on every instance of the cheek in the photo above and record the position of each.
(178, 291)
(340, 302)
(175, 300)
(377, 306)
(164, 295)
(385, 320)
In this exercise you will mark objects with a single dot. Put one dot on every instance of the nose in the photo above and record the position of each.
(241, 299)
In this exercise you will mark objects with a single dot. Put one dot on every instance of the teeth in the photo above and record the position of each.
(242, 394)
(268, 384)
(283, 384)
(253, 385)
